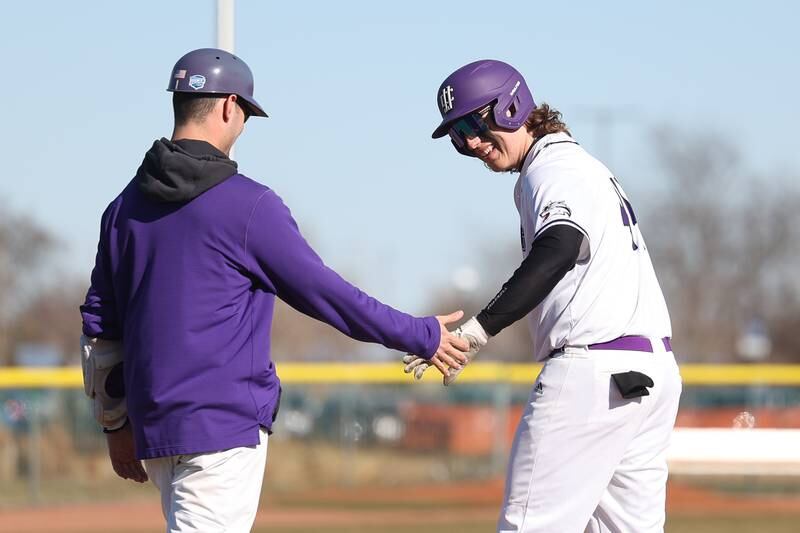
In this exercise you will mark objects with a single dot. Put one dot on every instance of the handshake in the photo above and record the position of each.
(456, 349)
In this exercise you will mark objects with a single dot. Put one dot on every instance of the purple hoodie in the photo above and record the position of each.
(190, 259)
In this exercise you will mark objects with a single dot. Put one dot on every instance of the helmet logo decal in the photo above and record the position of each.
(197, 81)
(516, 86)
(446, 99)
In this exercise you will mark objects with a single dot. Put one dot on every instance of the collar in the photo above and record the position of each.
(182, 170)
(198, 148)
(542, 144)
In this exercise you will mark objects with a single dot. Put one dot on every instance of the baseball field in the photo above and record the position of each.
(440, 508)
(305, 492)
(340, 463)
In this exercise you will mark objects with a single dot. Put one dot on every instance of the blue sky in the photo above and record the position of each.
(350, 88)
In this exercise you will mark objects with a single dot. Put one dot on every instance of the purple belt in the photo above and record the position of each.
(633, 343)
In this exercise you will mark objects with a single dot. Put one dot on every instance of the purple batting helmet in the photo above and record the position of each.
(209, 70)
(481, 83)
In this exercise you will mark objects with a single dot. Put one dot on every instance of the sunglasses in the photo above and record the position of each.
(472, 125)
(245, 109)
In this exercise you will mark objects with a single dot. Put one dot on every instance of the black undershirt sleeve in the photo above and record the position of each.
(554, 253)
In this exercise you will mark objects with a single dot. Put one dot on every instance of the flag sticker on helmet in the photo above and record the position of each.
(197, 81)
(446, 99)
(180, 74)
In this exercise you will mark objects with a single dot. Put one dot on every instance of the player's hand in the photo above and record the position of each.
(122, 452)
(449, 356)
(417, 365)
(452, 352)
(472, 332)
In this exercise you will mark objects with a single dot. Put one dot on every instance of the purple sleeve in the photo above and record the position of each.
(99, 310)
(284, 262)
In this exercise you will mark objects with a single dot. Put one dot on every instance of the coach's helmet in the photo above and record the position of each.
(210, 70)
(478, 84)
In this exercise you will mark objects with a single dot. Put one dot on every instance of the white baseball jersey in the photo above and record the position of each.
(613, 290)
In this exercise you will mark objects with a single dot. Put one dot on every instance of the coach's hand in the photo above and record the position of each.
(450, 357)
(472, 332)
(122, 451)
(452, 349)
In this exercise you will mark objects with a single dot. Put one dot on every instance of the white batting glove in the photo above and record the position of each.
(415, 364)
(473, 332)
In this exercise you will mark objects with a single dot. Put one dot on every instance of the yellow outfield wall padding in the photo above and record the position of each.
(333, 373)
(41, 378)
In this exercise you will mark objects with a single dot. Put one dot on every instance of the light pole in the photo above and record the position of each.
(225, 30)
(225, 25)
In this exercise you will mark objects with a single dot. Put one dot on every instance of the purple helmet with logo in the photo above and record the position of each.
(210, 70)
(481, 83)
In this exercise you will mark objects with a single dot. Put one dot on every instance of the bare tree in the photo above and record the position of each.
(297, 337)
(24, 246)
(51, 317)
(723, 243)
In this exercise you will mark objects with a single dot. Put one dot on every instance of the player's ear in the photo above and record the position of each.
(229, 107)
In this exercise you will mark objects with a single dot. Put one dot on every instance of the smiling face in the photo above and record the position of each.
(501, 150)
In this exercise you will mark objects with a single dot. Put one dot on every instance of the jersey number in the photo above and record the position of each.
(628, 216)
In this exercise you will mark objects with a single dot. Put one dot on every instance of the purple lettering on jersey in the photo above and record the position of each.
(626, 211)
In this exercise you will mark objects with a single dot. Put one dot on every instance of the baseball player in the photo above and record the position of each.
(176, 323)
(589, 451)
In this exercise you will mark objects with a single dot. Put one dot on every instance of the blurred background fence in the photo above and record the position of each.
(366, 425)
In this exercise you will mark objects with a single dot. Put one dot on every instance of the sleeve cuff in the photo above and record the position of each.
(435, 330)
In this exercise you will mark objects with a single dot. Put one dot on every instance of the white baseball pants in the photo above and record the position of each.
(210, 492)
(584, 458)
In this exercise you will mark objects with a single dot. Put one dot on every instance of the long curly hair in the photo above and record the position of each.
(543, 120)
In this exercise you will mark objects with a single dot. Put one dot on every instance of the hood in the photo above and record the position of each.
(182, 170)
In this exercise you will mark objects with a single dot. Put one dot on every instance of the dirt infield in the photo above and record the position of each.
(146, 516)
(415, 508)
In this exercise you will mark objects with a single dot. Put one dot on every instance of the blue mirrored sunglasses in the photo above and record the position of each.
(472, 125)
